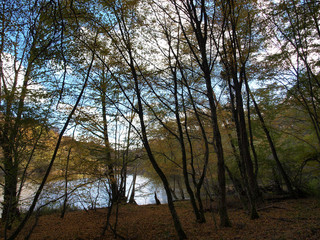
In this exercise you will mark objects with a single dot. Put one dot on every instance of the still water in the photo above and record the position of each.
(89, 193)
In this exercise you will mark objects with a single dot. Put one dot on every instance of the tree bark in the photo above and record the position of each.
(109, 162)
(199, 215)
(200, 29)
(10, 203)
(131, 199)
(144, 138)
(37, 195)
(153, 161)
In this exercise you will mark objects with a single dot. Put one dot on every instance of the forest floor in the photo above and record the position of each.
(281, 219)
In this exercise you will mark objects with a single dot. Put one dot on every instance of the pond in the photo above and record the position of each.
(89, 193)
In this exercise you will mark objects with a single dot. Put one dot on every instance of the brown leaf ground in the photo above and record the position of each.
(286, 219)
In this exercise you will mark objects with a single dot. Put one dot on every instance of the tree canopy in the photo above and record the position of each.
(212, 94)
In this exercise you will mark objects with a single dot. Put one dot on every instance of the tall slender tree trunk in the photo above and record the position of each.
(224, 219)
(131, 199)
(198, 185)
(199, 21)
(234, 59)
(10, 201)
(65, 201)
(147, 147)
(239, 189)
(253, 190)
(272, 146)
(108, 159)
(37, 194)
(162, 176)
(199, 215)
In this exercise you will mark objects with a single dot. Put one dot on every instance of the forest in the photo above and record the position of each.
(216, 101)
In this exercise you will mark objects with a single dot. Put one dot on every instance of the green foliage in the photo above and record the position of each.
(313, 186)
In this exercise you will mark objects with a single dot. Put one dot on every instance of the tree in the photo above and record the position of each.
(168, 91)
(25, 42)
(125, 17)
(201, 47)
(237, 46)
(54, 154)
(101, 86)
(294, 26)
(31, 49)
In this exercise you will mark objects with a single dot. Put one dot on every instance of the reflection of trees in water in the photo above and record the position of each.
(89, 193)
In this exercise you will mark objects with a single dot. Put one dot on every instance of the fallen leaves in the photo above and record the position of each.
(287, 219)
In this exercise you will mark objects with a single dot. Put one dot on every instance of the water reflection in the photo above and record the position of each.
(89, 193)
